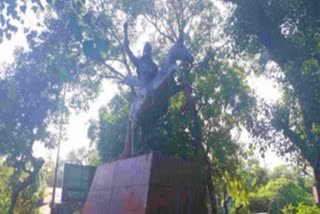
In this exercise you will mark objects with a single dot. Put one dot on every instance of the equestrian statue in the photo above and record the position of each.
(155, 88)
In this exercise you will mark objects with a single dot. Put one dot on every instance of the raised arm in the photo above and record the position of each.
(132, 58)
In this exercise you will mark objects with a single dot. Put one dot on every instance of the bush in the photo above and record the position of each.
(301, 209)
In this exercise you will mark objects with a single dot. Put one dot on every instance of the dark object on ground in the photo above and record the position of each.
(76, 183)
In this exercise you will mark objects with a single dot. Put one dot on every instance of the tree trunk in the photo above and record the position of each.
(37, 164)
(316, 171)
(14, 198)
(225, 207)
(211, 191)
(226, 200)
(196, 133)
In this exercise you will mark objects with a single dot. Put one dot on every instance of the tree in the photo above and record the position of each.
(83, 156)
(287, 34)
(21, 126)
(13, 15)
(107, 133)
(32, 98)
(281, 190)
(276, 194)
(29, 197)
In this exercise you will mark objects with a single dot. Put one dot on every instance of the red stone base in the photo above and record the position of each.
(147, 184)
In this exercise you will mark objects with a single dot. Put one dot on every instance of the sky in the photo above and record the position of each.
(79, 122)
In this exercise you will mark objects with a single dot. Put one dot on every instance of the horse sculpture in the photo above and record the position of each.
(153, 99)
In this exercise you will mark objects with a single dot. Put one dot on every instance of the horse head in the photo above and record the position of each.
(180, 52)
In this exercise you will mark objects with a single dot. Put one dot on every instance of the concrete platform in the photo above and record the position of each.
(147, 184)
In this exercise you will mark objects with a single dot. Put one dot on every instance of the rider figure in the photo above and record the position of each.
(145, 67)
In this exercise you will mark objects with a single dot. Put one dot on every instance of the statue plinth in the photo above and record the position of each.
(147, 184)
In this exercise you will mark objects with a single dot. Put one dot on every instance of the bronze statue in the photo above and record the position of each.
(155, 90)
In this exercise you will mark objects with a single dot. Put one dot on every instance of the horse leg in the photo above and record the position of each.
(126, 149)
(145, 129)
(133, 135)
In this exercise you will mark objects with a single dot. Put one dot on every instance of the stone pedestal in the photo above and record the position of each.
(147, 184)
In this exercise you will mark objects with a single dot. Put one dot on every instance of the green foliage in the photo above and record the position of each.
(31, 93)
(27, 198)
(13, 13)
(307, 209)
(236, 190)
(5, 186)
(284, 191)
(286, 33)
(136, 8)
(301, 209)
(47, 173)
(83, 156)
(109, 131)
(284, 188)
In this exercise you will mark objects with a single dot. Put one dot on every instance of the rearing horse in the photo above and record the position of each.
(153, 100)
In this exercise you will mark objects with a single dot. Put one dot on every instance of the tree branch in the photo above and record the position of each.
(114, 70)
(172, 29)
(123, 53)
(26, 170)
(109, 77)
(176, 13)
(298, 142)
(155, 25)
